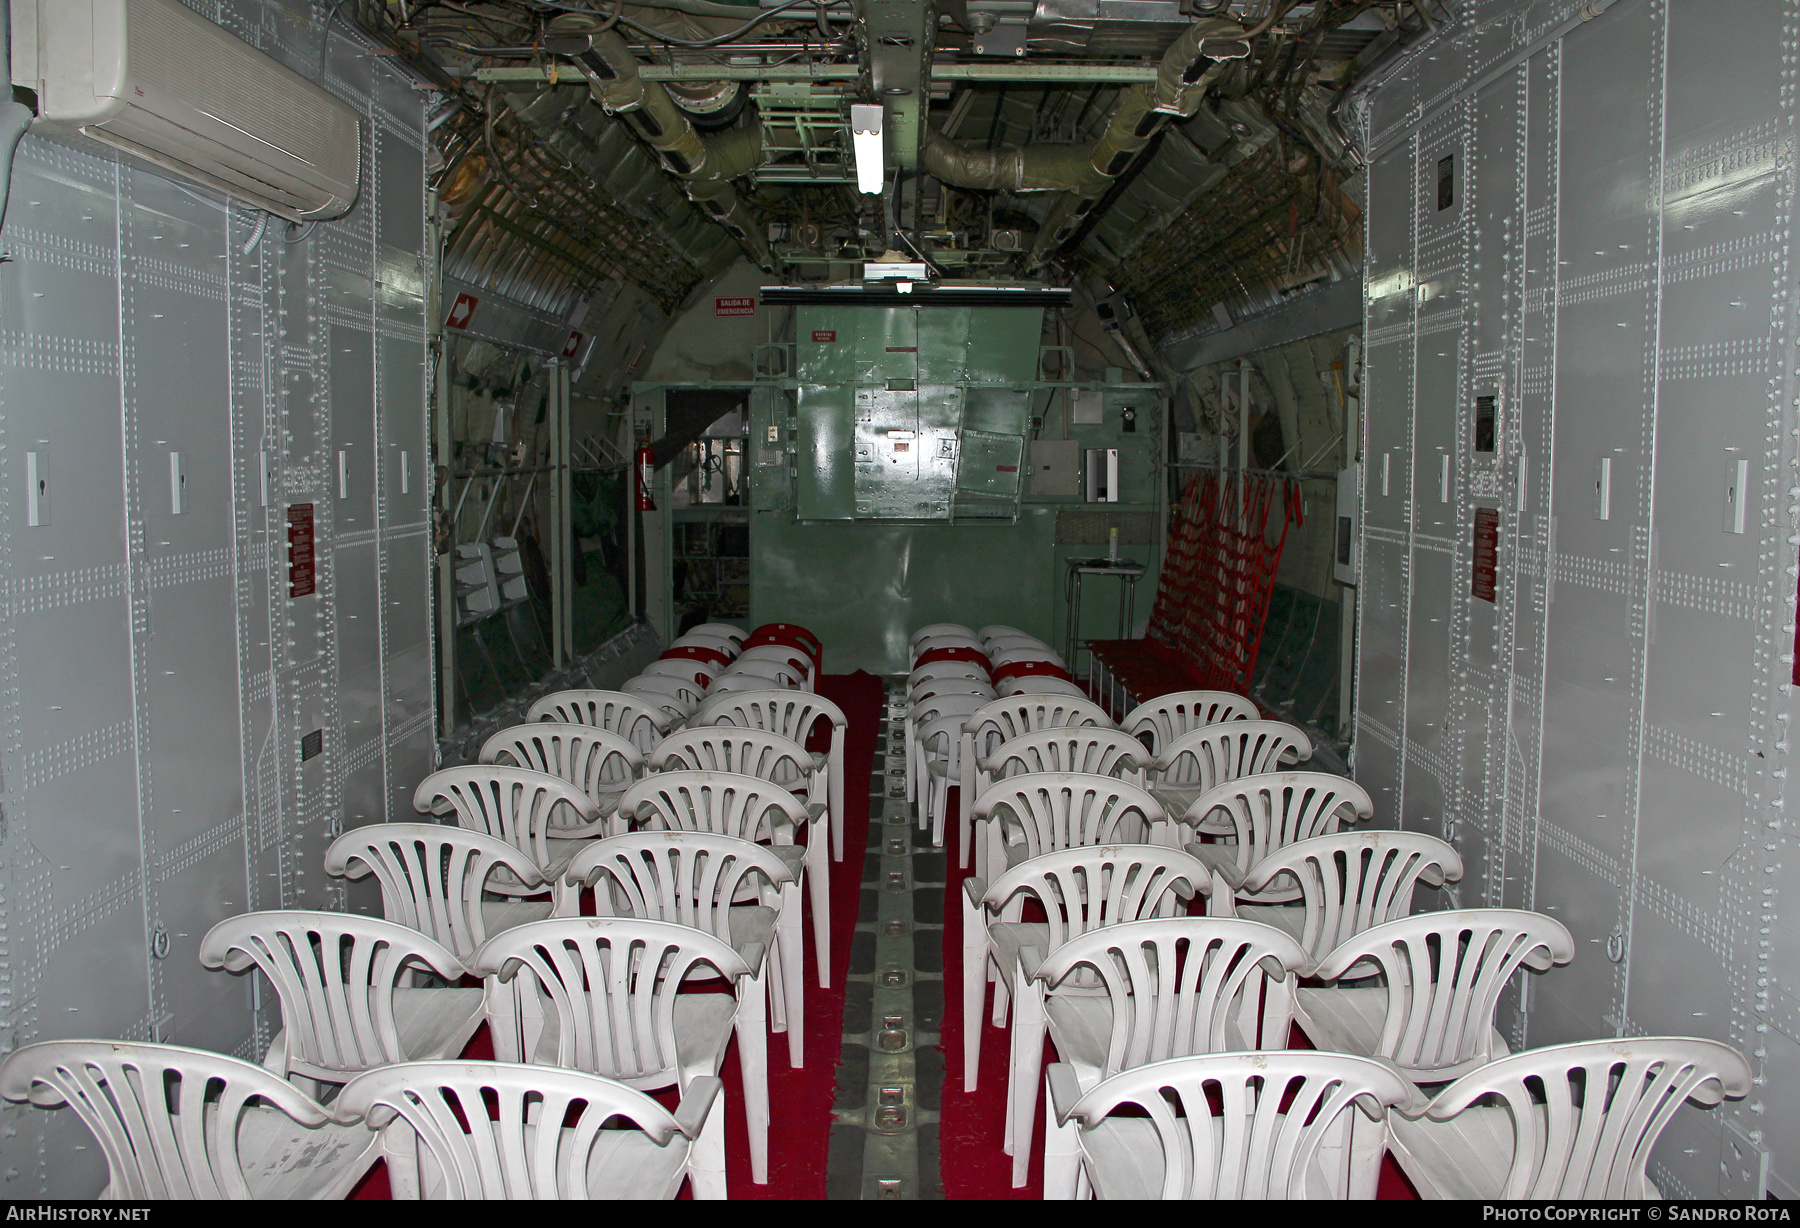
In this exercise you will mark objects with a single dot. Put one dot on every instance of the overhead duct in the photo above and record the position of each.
(706, 163)
(1187, 69)
(1028, 168)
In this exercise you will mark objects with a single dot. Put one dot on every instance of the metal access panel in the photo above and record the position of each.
(1580, 367)
(896, 421)
(1055, 469)
(184, 737)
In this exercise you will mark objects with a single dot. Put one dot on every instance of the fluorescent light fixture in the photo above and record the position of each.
(882, 270)
(865, 139)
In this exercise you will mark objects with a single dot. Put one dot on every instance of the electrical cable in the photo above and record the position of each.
(262, 225)
(671, 40)
(325, 38)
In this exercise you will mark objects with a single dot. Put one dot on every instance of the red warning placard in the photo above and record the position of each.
(572, 346)
(734, 306)
(825, 336)
(1487, 552)
(461, 312)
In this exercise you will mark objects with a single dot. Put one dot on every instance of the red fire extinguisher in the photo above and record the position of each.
(646, 466)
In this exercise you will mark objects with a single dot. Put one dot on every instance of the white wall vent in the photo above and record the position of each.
(157, 80)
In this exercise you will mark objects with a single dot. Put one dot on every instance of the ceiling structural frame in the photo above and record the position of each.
(1183, 158)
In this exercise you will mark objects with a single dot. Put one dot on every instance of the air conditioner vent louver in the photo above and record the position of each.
(161, 82)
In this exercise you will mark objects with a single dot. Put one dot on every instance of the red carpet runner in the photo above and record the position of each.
(800, 1100)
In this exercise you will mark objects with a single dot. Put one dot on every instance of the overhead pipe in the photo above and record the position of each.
(15, 116)
(1188, 68)
(706, 164)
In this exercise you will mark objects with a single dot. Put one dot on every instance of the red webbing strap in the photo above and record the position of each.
(1219, 572)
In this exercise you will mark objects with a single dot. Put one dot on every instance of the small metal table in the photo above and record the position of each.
(1128, 572)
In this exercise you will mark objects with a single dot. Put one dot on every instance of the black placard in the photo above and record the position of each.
(1485, 424)
(312, 745)
(301, 570)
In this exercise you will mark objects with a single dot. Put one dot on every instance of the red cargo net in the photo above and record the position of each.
(1219, 571)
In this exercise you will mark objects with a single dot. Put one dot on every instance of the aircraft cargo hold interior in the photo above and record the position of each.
(899, 599)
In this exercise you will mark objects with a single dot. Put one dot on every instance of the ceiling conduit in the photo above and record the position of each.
(706, 164)
(1187, 69)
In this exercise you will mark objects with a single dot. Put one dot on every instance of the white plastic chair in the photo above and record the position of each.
(733, 889)
(600, 763)
(1000, 643)
(1444, 973)
(749, 683)
(689, 668)
(724, 647)
(729, 631)
(1207, 757)
(1069, 748)
(946, 671)
(766, 756)
(1348, 882)
(1169, 987)
(795, 716)
(1041, 812)
(747, 807)
(1024, 652)
(542, 1137)
(1002, 721)
(1573, 1121)
(926, 712)
(609, 993)
(932, 629)
(1079, 889)
(768, 673)
(1296, 1124)
(937, 748)
(930, 688)
(1263, 813)
(338, 976)
(945, 640)
(793, 659)
(629, 716)
(177, 1123)
(733, 748)
(1038, 684)
(432, 878)
(1165, 718)
(995, 631)
(676, 696)
(516, 805)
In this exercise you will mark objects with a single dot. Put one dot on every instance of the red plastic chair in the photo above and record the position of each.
(1019, 669)
(791, 635)
(695, 652)
(974, 656)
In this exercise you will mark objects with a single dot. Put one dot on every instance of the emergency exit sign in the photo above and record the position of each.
(734, 306)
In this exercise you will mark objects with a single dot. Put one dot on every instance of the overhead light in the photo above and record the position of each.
(865, 139)
(885, 270)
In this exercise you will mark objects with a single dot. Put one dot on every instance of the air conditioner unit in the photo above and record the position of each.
(161, 82)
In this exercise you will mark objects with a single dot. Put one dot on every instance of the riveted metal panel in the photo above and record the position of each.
(1003, 344)
(185, 372)
(1618, 718)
